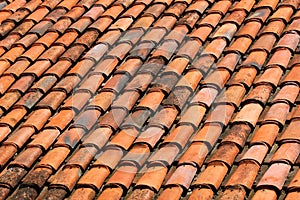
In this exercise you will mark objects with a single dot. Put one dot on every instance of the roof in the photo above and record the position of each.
(146, 99)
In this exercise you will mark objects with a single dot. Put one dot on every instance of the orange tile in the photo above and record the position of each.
(40, 141)
(144, 22)
(198, 6)
(249, 114)
(150, 136)
(9, 99)
(13, 53)
(164, 118)
(291, 76)
(22, 84)
(135, 72)
(61, 120)
(88, 38)
(266, 134)
(205, 193)
(5, 131)
(294, 61)
(228, 158)
(38, 118)
(168, 22)
(205, 96)
(238, 192)
(52, 100)
(211, 20)
(260, 93)
(34, 52)
(239, 177)
(111, 193)
(265, 42)
(13, 117)
(94, 12)
(256, 153)
(70, 137)
(241, 78)
(232, 95)
(265, 193)
(143, 193)
(288, 41)
(88, 179)
(240, 45)
(212, 176)
(19, 137)
(18, 67)
(102, 24)
(166, 155)
(182, 176)
(166, 49)
(277, 113)
(116, 83)
(152, 100)
(147, 178)
(190, 49)
(178, 98)
(293, 26)
(271, 76)
(236, 17)
(209, 133)
(220, 7)
(137, 155)
(78, 100)
(129, 66)
(98, 137)
(286, 152)
(124, 138)
(282, 13)
(274, 27)
(217, 78)
(67, 177)
(140, 82)
(87, 119)
(106, 66)
(195, 154)
(38, 68)
(92, 83)
(109, 158)
(193, 116)
(237, 134)
(27, 40)
(83, 193)
(173, 192)
(102, 101)
(65, 40)
(221, 114)
(243, 5)
(7, 152)
(27, 158)
(123, 176)
(67, 84)
(292, 195)
(275, 176)
(113, 119)
(177, 65)
(267, 3)
(54, 158)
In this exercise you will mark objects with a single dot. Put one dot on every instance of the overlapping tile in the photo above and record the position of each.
(156, 99)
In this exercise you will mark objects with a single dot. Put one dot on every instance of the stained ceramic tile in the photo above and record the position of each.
(209, 177)
(250, 29)
(106, 91)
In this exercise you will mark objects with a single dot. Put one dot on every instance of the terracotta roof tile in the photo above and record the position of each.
(99, 97)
